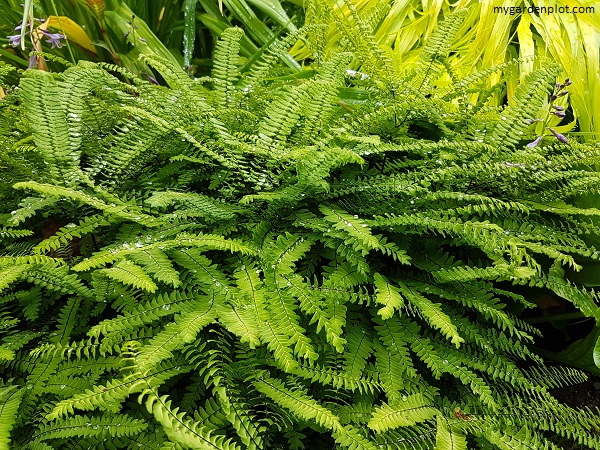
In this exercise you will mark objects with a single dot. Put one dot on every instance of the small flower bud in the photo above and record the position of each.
(534, 143)
(151, 78)
(568, 82)
(558, 108)
(563, 93)
(559, 136)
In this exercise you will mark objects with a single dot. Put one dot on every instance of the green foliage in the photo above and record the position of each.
(11, 397)
(202, 265)
(119, 31)
(488, 38)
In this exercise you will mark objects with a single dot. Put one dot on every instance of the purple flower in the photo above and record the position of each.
(55, 39)
(559, 136)
(559, 114)
(534, 143)
(33, 63)
(15, 40)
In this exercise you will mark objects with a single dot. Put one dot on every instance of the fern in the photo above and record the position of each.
(225, 70)
(115, 426)
(408, 411)
(57, 135)
(262, 263)
(11, 397)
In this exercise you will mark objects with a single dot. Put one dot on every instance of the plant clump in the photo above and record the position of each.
(252, 261)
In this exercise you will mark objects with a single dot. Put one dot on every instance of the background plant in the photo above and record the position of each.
(185, 30)
(315, 274)
(181, 31)
(486, 39)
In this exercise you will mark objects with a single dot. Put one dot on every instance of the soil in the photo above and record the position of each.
(580, 395)
(557, 337)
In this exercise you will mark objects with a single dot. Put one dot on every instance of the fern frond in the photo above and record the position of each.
(407, 411)
(298, 402)
(282, 309)
(10, 397)
(392, 357)
(449, 437)
(145, 313)
(207, 242)
(527, 100)
(586, 301)
(259, 70)
(352, 225)
(176, 78)
(432, 313)
(353, 438)
(283, 115)
(10, 274)
(359, 349)
(388, 296)
(311, 302)
(13, 233)
(327, 375)
(71, 231)
(106, 397)
(58, 279)
(129, 273)
(225, 70)
(120, 211)
(156, 263)
(109, 425)
(200, 205)
(110, 396)
(186, 325)
(56, 135)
